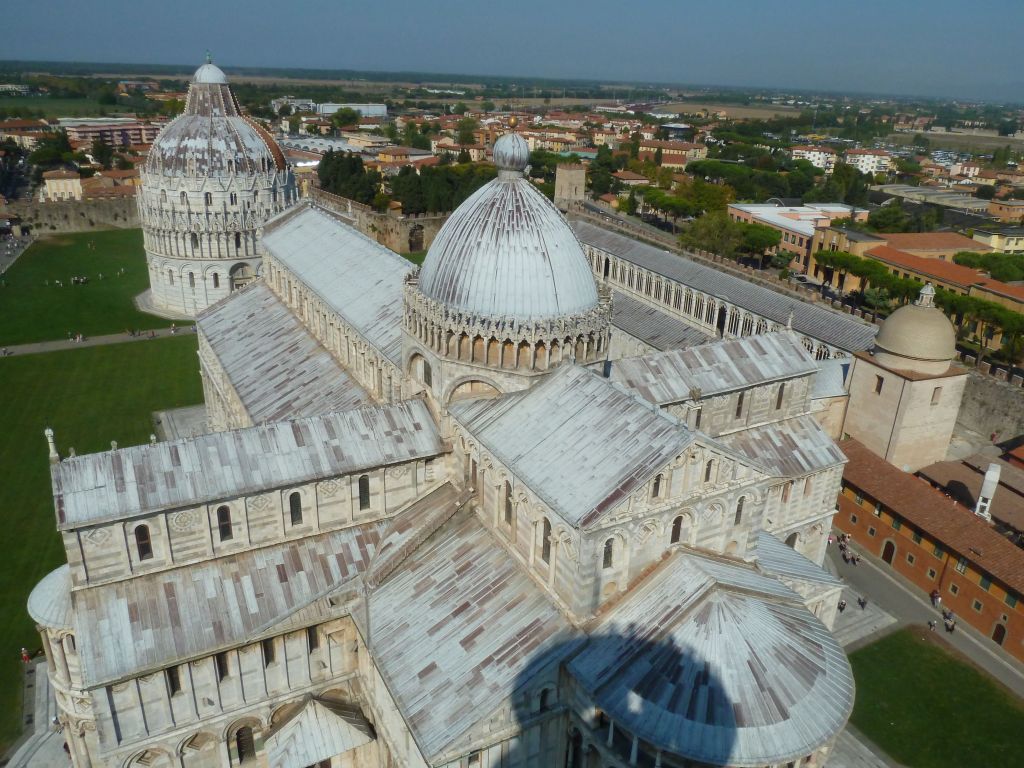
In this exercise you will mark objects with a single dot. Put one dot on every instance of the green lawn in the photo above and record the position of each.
(929, 709)
(53, 107)
(89, 396)
(34, 308)
(416, 257)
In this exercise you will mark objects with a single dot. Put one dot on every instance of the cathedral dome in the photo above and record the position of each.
(917, 337)
(507, 251)
(212, 137)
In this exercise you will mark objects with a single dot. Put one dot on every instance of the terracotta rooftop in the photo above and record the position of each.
(942, 270)
(934, 241)
(951, 524)
(962, 480)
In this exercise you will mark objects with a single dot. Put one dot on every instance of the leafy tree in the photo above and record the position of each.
(985, 192)
(122, 163)
(465, 129)
(464, 156)
(294, 123)
(487, 106)
(460, 109)
(757, 239)
(889, 218)
(714, 232)
(345, 117)
(658, 156)
(284, 110)
(102, 152)
(313, 128)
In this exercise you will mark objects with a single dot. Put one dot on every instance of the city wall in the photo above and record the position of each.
(75, 215)
(991, 405)
(400, 233)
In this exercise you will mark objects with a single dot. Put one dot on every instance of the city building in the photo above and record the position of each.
(796, 225)
(570, 184)
(212, 178)
(1000, 239)
(1007, 210)
(936, 544)
(437, 524)
(60, 184)
(116, 131)
(819, 157)
(869, 161)
(933, 245)
(674, 154)
(905, 393)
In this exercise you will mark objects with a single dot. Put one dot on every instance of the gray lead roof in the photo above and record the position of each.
(841, 331)
(357, 277)
(277, 368)
(652, 326)
(100, 487)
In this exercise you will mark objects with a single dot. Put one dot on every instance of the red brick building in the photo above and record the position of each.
(934, 543)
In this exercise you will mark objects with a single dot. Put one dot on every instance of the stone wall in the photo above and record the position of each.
(76, 215)
(990, 405)
(402, 234)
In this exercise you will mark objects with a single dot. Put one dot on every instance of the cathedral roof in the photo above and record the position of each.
(101, 487)
(582, 443)
(507, 252)
(151, 621)
(813, 320)
(791, 448)
(274, 364)
(722, 366)
(917, 333)
(357, 277)
(712, 661)
(212, 137)
(459, 624)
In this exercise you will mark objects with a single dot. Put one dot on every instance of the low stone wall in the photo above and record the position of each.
(991, 405)
(75, 216)
(402, 234)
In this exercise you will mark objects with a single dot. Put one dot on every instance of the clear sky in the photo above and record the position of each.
(957, 48)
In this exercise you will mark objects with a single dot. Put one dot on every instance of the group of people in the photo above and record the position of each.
(849, 556)
(76, 337)
(861, 601)
(948, 621)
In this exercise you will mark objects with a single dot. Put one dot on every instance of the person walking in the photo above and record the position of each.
(842, 606)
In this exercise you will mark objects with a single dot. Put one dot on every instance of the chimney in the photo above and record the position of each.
(988, 490)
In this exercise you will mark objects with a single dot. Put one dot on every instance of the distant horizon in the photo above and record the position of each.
(911, 49)
(185, 70)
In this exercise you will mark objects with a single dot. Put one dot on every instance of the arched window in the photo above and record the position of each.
(364, 492)
(428, 378)
(231, 169)
(609, 554)
(194, 240)
(545, 700)
(508, 503)
(545, 541)
(295, 507)
(677, 530)
(245, 746)
(143, 544)
(780, 396)
(224, 529)
(739, 510)
(170, 276)
(163, 195)
(656, 490)
(238, 241)
(708, 469)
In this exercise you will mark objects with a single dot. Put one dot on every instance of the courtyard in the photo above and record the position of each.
(918, 700)
(89, 396)
(40, 302)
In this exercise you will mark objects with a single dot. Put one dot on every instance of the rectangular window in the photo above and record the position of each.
(961, 565)
(910, 558)
(985, 583)
(916, 537)
(221, 662)
(858, 498)
(312, 639)
(878, 509)
(931, 573)
(268, 651)
(879, 381)
(173, 681)
(896, 524)
(954, 589)
(976, 605)
(853, 518)
(739, 405)
(937, 551)
(1010, 600)
(871, 531)
(936, 395)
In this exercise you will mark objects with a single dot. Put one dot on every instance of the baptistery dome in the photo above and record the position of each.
(210, 181)
(917, 337)
(507, 251)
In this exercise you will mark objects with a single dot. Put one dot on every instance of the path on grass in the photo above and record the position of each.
(873, 580)
(96, 341)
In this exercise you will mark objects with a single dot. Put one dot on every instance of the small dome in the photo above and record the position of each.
(210, 74)
(511, 153)
(917, 337)
(506, 252)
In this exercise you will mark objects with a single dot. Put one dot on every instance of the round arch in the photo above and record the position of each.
(471, 387)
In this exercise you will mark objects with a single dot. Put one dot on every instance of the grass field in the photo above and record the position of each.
(59, 107)
(89, 396)
(929, 709)
(34, 308)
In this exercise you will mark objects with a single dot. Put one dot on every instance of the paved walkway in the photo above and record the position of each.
(96, 341)
(873, 580)
(41, 746)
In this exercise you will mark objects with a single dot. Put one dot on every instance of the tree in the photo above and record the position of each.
(889, 218)
(757, 240)
(345, 117)
(465, 129)
(714, 232)
(122, 163)
(294, 123)
(460, 109)
(285, 110)
(487, 106)
(464, 156)
(102, 152)
(657, 156)
(313, 128)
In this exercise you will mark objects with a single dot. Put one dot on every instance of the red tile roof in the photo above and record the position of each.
(954, 526)
(945, 271)
(934, 241)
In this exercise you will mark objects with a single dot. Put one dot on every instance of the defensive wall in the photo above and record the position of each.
(399, 232)
(75, 215)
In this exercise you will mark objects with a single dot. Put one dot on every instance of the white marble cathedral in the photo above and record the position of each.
(210, 181)
(438, 523)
